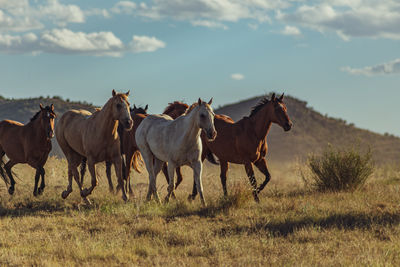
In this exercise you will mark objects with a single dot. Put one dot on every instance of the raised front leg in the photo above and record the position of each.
(118, 171)
(42, 183)
(197, 171)
(262, 166)
(37, 177)
(252, 180)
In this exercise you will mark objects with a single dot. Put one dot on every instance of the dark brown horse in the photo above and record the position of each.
(30, 143)
(81, 134)
(244, 142)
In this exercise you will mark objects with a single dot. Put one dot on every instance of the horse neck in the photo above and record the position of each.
(191, 131)
(107, 124)
(37, 130)
(262, 123)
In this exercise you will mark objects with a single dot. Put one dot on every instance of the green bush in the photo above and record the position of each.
(339, 169)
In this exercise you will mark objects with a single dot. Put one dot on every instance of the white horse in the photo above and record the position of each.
(161, 139)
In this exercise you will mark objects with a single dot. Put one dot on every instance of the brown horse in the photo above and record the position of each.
(81, 134)
(30, 143)
(244, 142)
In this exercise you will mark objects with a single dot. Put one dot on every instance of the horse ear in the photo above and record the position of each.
(127, 93)
(199, 101)
(209, 102)
(281, 97)
(273, 97)
(52, 107)
(134, 106)
(41, 106)
(113, 92)
(146, 107)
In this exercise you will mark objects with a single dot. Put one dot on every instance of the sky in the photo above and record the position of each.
(341, 56)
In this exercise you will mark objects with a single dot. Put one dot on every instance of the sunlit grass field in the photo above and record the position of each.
(290, 226)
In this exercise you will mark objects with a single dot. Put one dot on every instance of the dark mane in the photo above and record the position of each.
(259, 106)
(172, 106)
(36, 115)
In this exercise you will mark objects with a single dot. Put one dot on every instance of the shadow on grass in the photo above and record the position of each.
(349, 221)
(33, 208)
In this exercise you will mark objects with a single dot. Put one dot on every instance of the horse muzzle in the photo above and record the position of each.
(128, 124)
(211, 135)
(288, 126)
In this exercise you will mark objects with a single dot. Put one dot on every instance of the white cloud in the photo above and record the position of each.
(64, 41)
(392, 67)
(237, 76)
(125, 7)
(209, 24)
(290, 30)
(141, 44)
(61, 14)
(357, 18)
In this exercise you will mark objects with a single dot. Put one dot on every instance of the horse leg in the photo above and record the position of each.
(149, 162)
(83, 169)
(92, 170)
(37, 177)
(128, 166)
(197, 170)
(262, 166)
(68, 191)
(108, 173)
(171, 173)
(156, 169)
(179, 175)
(42, 183)
(252, 179)
(165, 171)
(8, 167)
(118, 171)
(224, 169)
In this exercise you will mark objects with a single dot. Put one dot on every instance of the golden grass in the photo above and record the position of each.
(290, 226)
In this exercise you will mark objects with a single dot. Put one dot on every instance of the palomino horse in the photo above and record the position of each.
(30, 143)
(244, 142)
(162, 139)
(81, 134)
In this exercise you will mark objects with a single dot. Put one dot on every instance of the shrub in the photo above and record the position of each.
(339, 169)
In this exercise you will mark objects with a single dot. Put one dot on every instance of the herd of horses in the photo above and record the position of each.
(124, 136)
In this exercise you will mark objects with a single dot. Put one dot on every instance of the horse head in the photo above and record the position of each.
(205, 119)
(120, 109)
(47, 116)
(138, 110)
(279, 114)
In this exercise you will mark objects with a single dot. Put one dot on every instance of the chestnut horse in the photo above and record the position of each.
(30, 143)
(162, 139)
(244, 142)
(81, 134)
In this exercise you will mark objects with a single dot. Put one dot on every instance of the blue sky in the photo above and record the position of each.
(341, 56)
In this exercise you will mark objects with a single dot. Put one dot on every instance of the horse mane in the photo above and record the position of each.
(195, 104)
(259, 106)
(172, 106)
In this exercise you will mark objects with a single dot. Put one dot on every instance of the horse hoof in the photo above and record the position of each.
(84, 193)
(124, 198)
(256, 197)
(40, 191)
(166, 200)
(35, 194)
(11, 190)
(64, 194)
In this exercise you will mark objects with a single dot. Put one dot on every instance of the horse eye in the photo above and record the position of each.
(119, 106)
(202, 116)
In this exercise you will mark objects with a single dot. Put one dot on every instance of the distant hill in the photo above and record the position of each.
(312, 131)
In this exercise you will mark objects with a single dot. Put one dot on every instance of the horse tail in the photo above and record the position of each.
(137, 160)
(2, 171)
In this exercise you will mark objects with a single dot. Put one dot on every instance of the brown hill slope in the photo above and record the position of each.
(312, 132)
